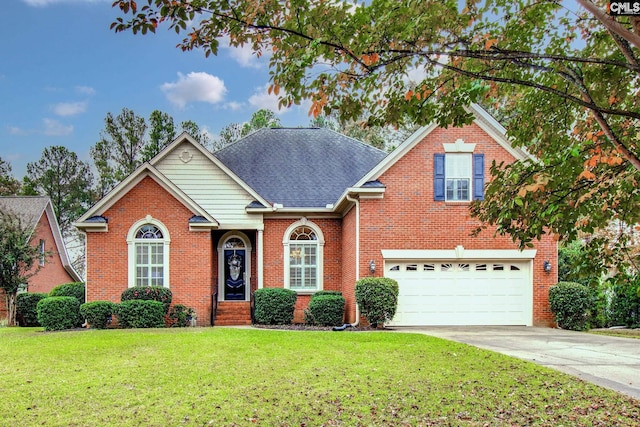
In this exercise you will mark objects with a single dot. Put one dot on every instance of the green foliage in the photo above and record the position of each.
(9, 186)
(565, 83)
(326, 309)
(180, 316)
(377, 298)
(140, 314)
(262, 118)
(572, 304)
(625, 302)
(153, 293)
(17, 258)
(58, 313)
(274, 306)
(75, 289)
(66, 179)
(98, 314)
(26, 308)
(574, 264)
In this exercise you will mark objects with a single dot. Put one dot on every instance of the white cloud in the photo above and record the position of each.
(14, 130)
(69, 108)
(55, 128)
(85, 90)
(195, 87)
(244, 55)
(234, 106)
(262, 99)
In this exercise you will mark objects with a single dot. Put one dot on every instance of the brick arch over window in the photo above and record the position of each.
(303, 244)
(148, 244)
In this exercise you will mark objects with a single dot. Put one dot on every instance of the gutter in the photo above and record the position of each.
(357, 321)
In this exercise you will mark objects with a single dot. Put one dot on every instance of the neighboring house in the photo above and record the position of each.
(310, 209)
(36, 213)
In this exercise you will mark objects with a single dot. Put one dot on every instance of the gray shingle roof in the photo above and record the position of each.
(28, 208)
(300, 167)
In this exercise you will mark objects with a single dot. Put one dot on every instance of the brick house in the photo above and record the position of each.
(36, 213)
(310, 209)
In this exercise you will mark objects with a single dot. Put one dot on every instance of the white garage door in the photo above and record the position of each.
(462, 293)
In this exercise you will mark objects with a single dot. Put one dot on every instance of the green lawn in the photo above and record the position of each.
(249, 377)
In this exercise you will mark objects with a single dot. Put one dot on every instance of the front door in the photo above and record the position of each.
(234, 274)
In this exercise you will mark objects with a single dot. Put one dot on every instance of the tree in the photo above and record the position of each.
(120, 148)
(17, 259)
(67, 181)
(568, 81)
(162, 131)
(262, 118)
(199, 135)
(8, 184)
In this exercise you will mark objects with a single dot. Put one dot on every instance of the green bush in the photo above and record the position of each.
(319, 293)
(625, 303)
(572, 304)
(180, 316)
(274, 306)
(149, 293)
(57, 313)
(325, 309)
(26, 308)
(140, 314)
(377, 298)
(98, 314)
(75, 290)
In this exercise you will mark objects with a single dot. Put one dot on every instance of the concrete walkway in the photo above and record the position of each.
(610, 362)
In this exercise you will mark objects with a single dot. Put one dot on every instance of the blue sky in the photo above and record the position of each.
(62, 70)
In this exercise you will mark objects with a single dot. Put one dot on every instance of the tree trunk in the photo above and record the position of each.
(11, 308)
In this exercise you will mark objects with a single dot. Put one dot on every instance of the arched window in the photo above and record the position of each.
(148, 242)
(303, 253)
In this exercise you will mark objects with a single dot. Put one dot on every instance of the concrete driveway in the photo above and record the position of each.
(610, 362)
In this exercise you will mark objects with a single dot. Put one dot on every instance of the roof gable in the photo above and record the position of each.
(483, 119)
(300, 167)
(146, 170)
(30, 209)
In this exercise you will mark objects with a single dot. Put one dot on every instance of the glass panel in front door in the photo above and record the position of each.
(234, 275)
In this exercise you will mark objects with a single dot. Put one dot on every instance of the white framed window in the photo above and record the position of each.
(458, 177)
(148, 243)
(303, 244)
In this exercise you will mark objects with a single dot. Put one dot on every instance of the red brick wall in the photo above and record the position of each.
(408, 217)
(348, 264)
(190, 254)
(274, 230)
(52, 273)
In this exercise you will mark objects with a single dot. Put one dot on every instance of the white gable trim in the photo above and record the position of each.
(59, 242)
(146, 170)
(185, 137)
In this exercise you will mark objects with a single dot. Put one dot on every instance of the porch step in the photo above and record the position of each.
(233, 313)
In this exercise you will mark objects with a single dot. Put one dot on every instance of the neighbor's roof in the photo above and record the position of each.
(300, 167)
(28, 209)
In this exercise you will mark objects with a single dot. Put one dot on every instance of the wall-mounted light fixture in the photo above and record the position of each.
(547, 266)
(372, 266)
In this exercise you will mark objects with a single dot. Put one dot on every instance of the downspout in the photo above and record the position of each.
(357, 321)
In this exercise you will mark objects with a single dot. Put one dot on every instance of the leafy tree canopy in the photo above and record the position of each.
(262, 118)
(8, 184)
(565, 82)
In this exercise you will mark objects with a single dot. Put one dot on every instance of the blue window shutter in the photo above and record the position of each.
(478, 177)
(438, 177)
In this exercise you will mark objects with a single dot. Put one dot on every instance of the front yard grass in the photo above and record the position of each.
(256, 377)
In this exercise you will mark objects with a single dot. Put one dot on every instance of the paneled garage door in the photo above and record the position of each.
(462, 293)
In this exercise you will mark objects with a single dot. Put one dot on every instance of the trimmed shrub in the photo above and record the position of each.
(571, 303)
(274, 306)
(140, 314)
(377, 298)
(98, 314)
(180, 316)
(57, 313)
(149, 293)
(26, 308)
(75, 289)
(325, 309)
